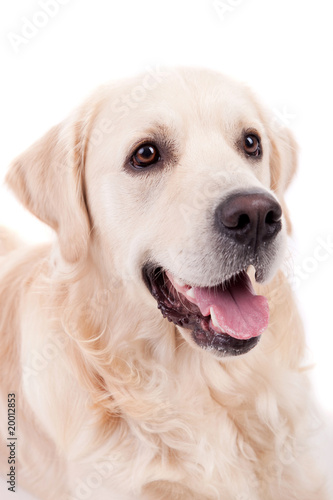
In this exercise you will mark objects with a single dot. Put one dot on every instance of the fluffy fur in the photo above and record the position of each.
(113, 400)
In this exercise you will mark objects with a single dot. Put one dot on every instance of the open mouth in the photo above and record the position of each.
(227, 318)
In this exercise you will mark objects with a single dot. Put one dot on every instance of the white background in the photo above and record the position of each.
(283, 50)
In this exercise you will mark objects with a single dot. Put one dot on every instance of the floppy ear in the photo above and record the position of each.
(48, 180)
(283, 164)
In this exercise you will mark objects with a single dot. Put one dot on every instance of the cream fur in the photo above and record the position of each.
(114, 401)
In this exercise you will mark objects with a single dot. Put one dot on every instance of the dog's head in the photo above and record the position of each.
(178, 184)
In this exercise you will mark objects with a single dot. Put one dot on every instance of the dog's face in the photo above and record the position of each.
(182, 191)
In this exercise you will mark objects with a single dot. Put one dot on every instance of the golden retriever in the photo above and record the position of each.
(154, 350)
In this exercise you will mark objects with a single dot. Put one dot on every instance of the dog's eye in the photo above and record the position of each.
(145, 155)
(252, 145)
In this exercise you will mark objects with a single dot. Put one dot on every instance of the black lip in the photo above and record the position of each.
(187, 315)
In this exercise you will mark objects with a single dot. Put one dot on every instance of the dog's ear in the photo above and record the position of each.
(283, 164)
(48, 179)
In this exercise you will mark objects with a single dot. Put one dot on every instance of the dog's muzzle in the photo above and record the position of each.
(228, 317)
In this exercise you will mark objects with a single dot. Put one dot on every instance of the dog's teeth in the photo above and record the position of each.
(214, 320)
(190, 293)
(251, 271)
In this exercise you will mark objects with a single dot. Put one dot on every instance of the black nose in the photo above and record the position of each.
(249, 218)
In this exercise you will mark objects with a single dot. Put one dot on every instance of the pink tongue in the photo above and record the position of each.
(238, 311)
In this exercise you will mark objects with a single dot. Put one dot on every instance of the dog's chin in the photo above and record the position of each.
(217, 345)
(226, 319)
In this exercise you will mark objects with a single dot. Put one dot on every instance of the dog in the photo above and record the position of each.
(154, 351)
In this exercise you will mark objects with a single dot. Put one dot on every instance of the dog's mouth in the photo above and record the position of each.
(228, 318)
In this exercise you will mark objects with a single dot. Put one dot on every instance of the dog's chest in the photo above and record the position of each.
(201, 448)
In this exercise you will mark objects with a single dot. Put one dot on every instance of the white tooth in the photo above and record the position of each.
(214, 319)
(190, 293)
(251, 271)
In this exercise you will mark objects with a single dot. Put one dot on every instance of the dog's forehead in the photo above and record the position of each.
(190, 109)
(182, 98)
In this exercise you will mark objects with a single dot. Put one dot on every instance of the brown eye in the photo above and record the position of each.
(252, 145)
(145, 155)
